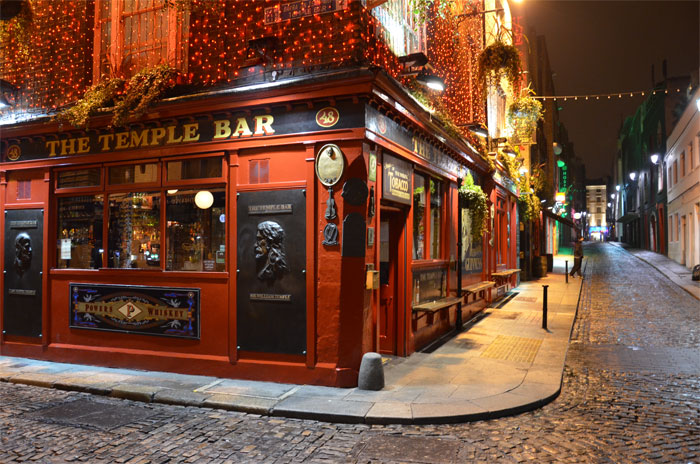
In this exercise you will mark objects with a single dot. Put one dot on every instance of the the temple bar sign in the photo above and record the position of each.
(198, 129)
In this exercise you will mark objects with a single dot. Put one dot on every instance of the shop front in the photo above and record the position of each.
(273, 242)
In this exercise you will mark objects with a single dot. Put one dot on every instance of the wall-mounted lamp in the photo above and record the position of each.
(617, 187)
(523, 170)
(424, 76)
(633, 175)
(478, 129)
(431, 81)
(612, 195)
(697, 102)
(654, 158)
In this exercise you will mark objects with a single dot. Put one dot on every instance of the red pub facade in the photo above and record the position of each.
(287, 208)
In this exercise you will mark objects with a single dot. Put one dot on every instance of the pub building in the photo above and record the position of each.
(276, 231)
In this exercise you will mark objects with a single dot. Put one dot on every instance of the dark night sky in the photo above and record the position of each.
(609, 46)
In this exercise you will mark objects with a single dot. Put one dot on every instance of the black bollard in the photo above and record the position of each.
(544, 307)
(566, 268)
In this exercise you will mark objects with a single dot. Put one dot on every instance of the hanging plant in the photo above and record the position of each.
(499, 60)
(128, 99)
(529, 205)
(472, 197)
(142, 91)
(96, 97)
(523, 115)
(16, 26)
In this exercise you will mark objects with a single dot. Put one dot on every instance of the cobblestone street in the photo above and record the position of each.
(631, 393)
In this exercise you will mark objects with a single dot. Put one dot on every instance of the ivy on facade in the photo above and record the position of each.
(472, 197)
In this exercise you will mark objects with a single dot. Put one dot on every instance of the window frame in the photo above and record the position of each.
(426, 259)
(175, 34)
(161, 187)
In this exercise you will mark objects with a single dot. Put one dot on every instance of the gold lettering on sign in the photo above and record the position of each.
(51, 145)
(242, 128)
(105, 140)
(157, 136)
(83, 145)
(171, 135)
(122, 140)
(190, 132)
(263, 125)
(139, 139)
(222, 129)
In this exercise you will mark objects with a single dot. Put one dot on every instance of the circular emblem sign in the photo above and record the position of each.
(329, 164)
(14, 152)
(327, 117)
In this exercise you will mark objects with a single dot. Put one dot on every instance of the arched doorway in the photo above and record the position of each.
(653, 244)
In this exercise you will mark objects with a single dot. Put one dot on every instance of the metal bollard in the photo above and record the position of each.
(544, 307)
(566, 268)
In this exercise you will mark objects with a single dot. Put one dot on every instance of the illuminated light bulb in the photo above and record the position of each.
(204, 199)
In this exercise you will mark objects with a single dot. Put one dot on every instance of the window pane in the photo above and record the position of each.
(196, 237)
(133, 174)
(419, 218)
(200, 168)
(134, 230)
(435, 218)
(79, 178)
(80, 232)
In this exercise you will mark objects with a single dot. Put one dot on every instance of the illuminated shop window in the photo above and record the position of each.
(419, 195)
(79, 228)
(134, 230)
(196, 230)
(435, 218)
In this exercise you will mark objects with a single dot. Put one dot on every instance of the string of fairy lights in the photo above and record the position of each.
(607, 96)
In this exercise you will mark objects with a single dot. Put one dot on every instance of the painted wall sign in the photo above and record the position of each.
(302, 8)
(198, 129)
(397, 180)
(171, 312)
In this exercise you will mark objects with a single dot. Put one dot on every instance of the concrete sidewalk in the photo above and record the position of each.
(503, 363)
(676, 273)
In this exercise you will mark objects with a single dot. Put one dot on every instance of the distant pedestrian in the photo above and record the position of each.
(578, 258)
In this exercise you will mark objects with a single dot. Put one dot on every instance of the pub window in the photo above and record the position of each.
(198, 168)
(134, 230)
(130, 224)
(195, 237)
(435, 218)
(79, 227)
(419, 205)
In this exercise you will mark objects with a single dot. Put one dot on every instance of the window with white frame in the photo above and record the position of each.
(399, 28)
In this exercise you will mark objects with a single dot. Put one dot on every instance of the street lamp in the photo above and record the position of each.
(654, 158)
(633, 175)
(617, 187)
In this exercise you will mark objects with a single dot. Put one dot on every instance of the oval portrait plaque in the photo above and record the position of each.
(330, 163)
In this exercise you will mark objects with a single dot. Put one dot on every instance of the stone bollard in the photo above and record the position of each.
(371, 372)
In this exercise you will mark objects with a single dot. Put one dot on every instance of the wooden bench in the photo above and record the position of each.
(475, 289)
(501, 277)
(435, 306)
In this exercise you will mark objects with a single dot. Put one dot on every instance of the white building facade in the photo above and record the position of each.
(596, 203)
(682, 163)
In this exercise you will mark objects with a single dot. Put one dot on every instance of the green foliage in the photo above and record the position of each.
(523, 115)
(473, 198)
(499, 60)
(96, 97)
(130, 99)
(422, 9)
(18, 28)
(142, 91)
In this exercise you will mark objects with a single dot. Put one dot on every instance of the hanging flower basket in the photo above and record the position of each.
(499, 60)
(473, 198)
(523, 115)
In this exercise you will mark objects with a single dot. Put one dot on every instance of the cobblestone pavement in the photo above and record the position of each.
(631, 394)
